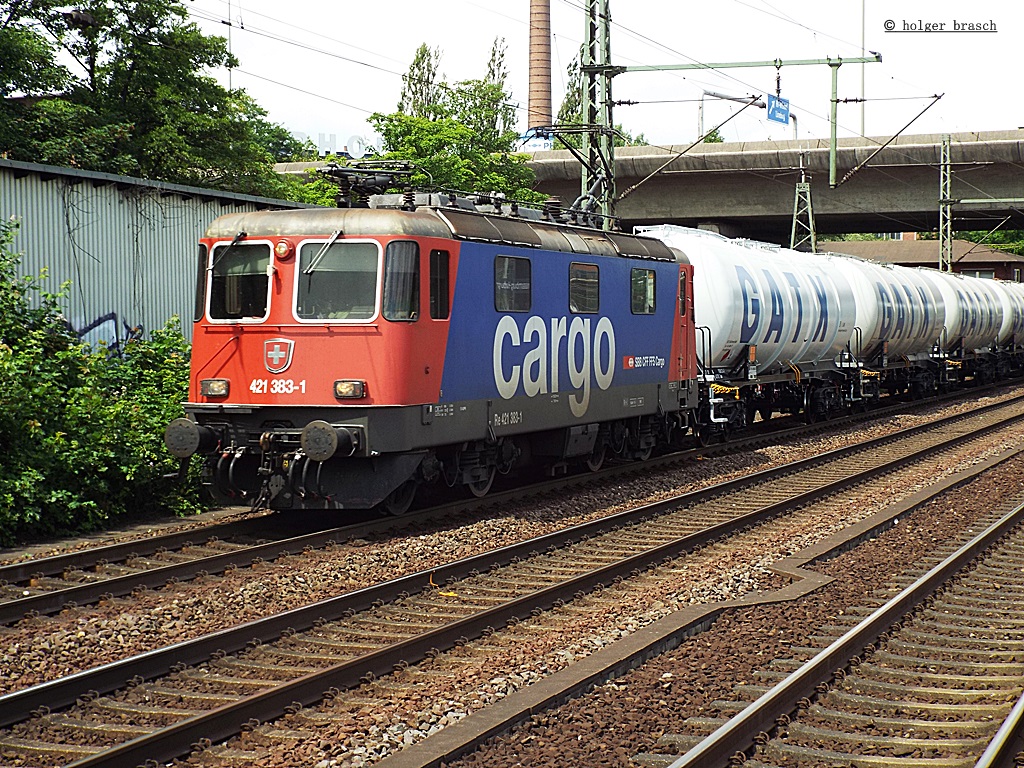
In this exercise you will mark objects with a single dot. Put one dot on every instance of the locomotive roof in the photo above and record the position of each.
(441, 221)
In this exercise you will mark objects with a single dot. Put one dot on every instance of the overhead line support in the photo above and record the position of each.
(834, 64)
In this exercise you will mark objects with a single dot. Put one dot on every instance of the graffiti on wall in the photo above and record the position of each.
(108, 330)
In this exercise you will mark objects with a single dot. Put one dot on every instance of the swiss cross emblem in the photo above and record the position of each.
(277, 354)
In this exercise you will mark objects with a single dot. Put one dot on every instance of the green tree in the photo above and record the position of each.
(421, 91)
(713, 137)
(485, 105)
(140, 100)
(451, 157)
(1011, 240)
(83, 425)
(28, 62)
(465, 139)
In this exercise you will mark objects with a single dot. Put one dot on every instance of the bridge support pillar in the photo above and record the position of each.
(724, 228)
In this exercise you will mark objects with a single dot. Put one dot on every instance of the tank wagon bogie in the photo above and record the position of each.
(345, 358)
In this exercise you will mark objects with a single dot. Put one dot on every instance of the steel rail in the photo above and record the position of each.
(87, 558)
(116, 586)
(64, 691)
(1006, 744)
(225, 721)
(53, 601)
(760, 717)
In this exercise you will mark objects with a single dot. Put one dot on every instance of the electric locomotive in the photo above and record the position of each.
(344, 357)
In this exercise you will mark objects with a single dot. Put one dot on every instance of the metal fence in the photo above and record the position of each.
(126, 246)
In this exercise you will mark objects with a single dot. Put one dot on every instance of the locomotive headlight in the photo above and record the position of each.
(214, 387)
(284, 250)
(349, 389)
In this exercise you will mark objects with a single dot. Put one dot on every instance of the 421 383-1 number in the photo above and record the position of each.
(277, 386)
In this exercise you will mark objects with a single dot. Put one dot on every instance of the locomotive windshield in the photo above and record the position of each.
(239, 286)
(339, 283)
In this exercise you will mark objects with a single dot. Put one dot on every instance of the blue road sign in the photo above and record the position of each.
(778, 109)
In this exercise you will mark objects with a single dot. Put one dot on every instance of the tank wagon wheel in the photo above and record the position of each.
(810, 409)
(400, 499)
(703, 429)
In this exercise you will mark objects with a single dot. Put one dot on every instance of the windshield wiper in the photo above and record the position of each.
(225, 252)
(320, 254)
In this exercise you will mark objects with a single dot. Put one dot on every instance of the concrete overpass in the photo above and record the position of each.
(747, 189)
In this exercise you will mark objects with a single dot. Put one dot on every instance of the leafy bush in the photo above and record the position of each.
(81, 429)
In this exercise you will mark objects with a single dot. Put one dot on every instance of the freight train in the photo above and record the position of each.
(346, 358)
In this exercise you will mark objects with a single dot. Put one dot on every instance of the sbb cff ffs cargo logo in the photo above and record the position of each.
(633, 362)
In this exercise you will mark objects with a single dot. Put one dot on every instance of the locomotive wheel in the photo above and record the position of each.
(400, 499)
(481, 487)
(645, 454)
(703, 434)
(595, 460)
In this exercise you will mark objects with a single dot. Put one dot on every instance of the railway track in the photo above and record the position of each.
(292, 658)
(50, 584)
(931, 678)
(47, 585)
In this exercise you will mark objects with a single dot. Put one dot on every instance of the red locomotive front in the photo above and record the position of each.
(289, 325)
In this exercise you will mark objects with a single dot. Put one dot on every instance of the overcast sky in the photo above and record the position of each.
(321, 67)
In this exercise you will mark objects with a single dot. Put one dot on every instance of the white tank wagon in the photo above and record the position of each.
(749, 295)
(818, 332)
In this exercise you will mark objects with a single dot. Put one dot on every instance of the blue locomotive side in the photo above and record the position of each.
(535, 324)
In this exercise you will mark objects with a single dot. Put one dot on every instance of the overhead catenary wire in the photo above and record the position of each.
(653, 43)
(287, 41)
(629, 190)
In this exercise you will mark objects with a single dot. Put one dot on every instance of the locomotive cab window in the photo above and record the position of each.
(584, 285)
(439, 285)
(512, 284)
(402, 281)
(682, 294)
(239, 282)
(201, 284)
(641, 292)
(337, 281)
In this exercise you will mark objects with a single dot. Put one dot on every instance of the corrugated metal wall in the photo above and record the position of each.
(128, 246)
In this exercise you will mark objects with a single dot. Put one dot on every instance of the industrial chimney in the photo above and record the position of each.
(539, 107)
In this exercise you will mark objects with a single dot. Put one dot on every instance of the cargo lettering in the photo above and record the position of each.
(588, 356)
(901, 312)
(885, 304)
